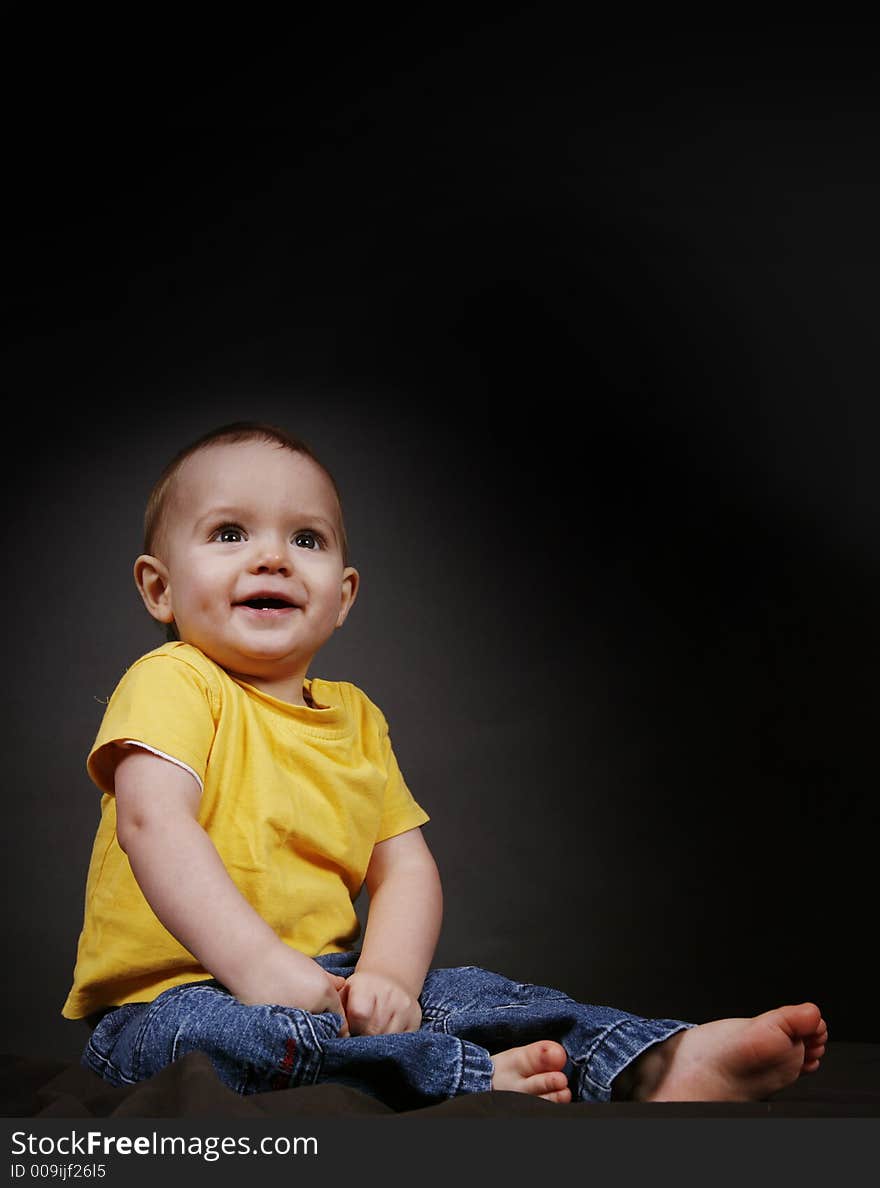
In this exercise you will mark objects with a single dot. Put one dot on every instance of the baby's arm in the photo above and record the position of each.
(186, 884)
(403, 924)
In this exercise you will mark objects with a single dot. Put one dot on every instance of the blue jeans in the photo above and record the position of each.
(467, 1014)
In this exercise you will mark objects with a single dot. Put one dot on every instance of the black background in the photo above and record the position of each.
(584, 321)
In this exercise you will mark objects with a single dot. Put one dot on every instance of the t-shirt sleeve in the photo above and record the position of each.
(164, 704)
(400, 811)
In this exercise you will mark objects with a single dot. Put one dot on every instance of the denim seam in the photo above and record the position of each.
(435, 1016)
(138, 1044)
(99, 1063)
(582, 1062)
(190, 989)
(471, 1067)
(446, 1016)
(304, 1019)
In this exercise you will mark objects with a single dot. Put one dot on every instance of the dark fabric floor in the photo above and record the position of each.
(847, 1084)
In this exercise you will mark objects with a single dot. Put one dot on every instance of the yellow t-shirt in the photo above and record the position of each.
(293, 797)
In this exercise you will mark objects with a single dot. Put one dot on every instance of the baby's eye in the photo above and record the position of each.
(228, 534)
(307, 540)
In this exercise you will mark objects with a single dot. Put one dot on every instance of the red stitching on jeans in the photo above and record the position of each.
(282, 1079)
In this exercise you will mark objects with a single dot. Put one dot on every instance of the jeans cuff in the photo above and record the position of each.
(618, 1047)
(477, 1069)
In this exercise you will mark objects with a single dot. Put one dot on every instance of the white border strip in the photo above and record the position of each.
(133, 742)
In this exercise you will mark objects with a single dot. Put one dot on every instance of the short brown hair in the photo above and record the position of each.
(237, 431)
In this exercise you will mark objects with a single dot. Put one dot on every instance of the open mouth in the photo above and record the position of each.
(266, 604)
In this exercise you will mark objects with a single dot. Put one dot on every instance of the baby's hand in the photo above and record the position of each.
(377, 1005)
(288, 978)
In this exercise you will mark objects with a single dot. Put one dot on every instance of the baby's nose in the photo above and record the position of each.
(271, 561)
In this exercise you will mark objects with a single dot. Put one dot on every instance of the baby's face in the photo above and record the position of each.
(255, 572)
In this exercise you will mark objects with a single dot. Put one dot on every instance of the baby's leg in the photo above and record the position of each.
(725, 1060)
(254, 1049)
(613, 1053)
(730, 1059)
(582, 1048)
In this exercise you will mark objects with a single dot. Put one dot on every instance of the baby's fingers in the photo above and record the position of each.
(360, 1010)
(406, 1018)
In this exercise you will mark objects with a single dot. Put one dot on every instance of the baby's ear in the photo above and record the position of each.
(350, 583)
(151, 579)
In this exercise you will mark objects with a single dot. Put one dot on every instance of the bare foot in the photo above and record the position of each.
(534, 1068)
(732, 1059)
